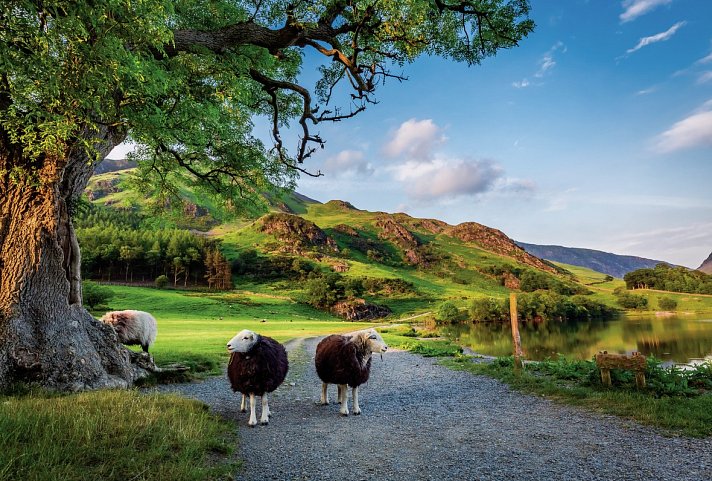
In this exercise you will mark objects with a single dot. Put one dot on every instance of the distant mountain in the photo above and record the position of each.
(706, 266)
(612, 264)
(113, 165)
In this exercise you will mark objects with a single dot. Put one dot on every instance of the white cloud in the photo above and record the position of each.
(685, 245)
(415, 139)
(658, 37)
(636, 8)
(348, 162)
(524, 83)
(447, 178)
(647, 91)
(704, 77)
(707, 59)
(546, 64)
(690, 132)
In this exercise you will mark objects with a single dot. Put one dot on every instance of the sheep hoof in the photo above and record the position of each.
(264, 423)
(344, 414)
(243, 410)
(357, 413)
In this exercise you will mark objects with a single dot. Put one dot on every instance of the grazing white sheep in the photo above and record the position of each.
(133, 327)
(346, 361)
(258, 365)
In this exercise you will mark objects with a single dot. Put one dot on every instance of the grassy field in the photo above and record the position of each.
(193, 328)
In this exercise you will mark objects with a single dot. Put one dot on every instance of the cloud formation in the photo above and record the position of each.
(690, 132)
(415, 139)
(636, 8)
(546, 64)
(445, 178)
(658, 37)
(348, 162)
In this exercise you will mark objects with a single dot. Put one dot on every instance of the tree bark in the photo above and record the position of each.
(46, 336)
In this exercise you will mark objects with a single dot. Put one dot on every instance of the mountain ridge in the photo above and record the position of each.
(616, 265)
(706, 265)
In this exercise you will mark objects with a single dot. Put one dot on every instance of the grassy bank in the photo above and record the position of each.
(112, 435)
(678, 402)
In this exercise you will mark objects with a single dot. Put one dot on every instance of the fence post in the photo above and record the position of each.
(516, 339)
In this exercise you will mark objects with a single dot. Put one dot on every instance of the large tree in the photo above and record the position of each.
(183, 79)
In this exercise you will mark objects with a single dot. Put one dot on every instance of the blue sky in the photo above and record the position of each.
(596, 132)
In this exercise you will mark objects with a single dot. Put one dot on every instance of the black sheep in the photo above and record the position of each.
(346, 361)
(258, 365)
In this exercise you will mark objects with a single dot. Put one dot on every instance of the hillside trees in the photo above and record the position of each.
(182, 79)
(667, 278)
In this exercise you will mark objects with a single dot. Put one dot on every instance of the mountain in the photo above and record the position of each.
(612, 264)
(706, 266)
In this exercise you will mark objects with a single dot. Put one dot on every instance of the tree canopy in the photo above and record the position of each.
(184, 78)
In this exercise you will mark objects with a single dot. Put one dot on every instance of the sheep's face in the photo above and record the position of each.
(243, 341)
(375, 341)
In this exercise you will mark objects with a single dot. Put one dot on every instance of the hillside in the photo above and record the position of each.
(706, 266)
(404, 263)
(612, 264)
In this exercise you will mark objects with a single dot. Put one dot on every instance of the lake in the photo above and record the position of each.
(677, 339)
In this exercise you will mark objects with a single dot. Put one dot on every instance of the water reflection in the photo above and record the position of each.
(676, 339)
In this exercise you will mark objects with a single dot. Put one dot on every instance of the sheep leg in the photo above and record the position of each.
(354, 396)
(243, 404)
(253, 417)
(265, 410)
(145, 348)
(344, 395)
(324, 395)
(339, 394)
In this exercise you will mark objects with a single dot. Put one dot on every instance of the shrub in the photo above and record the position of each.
(632, 301)
(94, 294)
(667, 304)
(161, 281)
(487, 309)
(447, 312)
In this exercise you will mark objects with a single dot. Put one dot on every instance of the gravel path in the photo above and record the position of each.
(422, 421)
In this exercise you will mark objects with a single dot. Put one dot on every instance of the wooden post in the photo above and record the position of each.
(516, 339)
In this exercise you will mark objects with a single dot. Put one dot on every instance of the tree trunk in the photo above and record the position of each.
(46, 336)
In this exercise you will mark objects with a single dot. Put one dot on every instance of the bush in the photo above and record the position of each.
(632, 301)
(487, 309)
(447, 312)
(667, 304)
(161, 281)
(94, 294)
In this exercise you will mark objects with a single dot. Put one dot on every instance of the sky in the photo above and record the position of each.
(595, 132)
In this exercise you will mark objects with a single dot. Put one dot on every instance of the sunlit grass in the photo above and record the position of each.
(112, 435)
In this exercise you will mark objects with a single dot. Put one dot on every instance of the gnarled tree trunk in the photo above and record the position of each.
(46, 336)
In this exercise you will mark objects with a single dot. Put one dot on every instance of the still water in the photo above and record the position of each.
(673, 339)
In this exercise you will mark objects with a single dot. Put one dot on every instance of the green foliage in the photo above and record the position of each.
(674, 399)
(667, 304)
(161, 281)
(326, 290)
(542, 305)
(487, 309)
(94, 295)
(114, 436)
(667, 278)
(447, 312)
(629, 300)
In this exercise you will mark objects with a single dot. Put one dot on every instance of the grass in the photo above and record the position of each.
(571, 382)
(193, 328)
(113, 435)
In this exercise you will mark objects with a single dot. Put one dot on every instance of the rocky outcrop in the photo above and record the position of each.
(341, 204)
(433, 226)
(496, 241)
(359, 310)
(706, 266)
(102, 188)
(396, 233)
(296, 233)
(346, 229)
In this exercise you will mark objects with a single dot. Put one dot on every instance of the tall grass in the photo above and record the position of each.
(112, 435)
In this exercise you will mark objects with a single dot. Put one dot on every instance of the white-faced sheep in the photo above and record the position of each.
(133, 327)
(258, 365)
(346, 361)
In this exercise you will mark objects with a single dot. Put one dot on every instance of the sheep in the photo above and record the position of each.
(258, 365)
(133, 327)
(346, 361)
